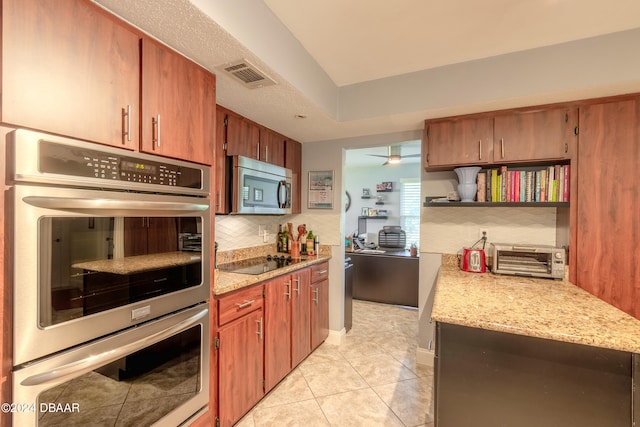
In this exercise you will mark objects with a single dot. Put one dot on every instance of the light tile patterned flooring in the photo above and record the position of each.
(370, 380)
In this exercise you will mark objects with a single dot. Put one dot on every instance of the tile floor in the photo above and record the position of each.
(370, 380)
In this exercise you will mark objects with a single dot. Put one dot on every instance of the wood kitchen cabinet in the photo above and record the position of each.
(219, 188)
(272, 147)
(525, 136)
(70, 68)
(277, 345)
(293, 161)
(605, 226)
(178, 105)
(319, 304)
(287, 325)
(150, 235)
(458, 142)
(243, 137)
(300, 316)
(240, 353)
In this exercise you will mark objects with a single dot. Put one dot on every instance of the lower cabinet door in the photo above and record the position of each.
(319, 313)
(240, 366)
(277, 355)
(300, 316)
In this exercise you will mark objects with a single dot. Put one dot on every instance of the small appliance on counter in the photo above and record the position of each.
(474, 259)
(528, 260)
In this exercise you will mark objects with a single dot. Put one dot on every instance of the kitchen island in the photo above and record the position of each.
(529, 352)
(389, 277)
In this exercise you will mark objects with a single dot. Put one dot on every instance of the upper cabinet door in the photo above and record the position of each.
(70, 69)
(536, 135)
(178, 105)
(243, 137)
(272, 147)
(467, 141)
(293, 161)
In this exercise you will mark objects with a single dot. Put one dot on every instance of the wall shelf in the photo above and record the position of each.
(427, 204)
(374, 217)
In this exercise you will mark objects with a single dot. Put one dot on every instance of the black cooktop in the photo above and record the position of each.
(258, 265)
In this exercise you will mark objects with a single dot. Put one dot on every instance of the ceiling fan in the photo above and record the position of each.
(394, 156)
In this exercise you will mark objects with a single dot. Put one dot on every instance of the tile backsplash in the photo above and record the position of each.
(241, 231)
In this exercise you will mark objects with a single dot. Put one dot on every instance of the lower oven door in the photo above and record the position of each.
(154, 374)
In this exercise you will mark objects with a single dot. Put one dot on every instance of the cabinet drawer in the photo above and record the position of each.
(237, 304)
(319, 272)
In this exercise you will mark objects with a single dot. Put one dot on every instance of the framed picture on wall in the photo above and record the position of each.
(320, 190)
(364, 212)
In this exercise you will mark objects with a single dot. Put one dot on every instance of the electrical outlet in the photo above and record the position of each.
(265, 236)
(483, 232)
(261, 229)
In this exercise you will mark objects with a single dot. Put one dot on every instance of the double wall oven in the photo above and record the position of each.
(110, 319)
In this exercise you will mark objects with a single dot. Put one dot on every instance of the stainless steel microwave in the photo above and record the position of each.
(258, 187)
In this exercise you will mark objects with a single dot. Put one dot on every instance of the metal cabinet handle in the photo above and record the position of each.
(247, 303)
(259, 322)
(126, 123)
(323, 272)
(258, 151)
(298, 285)
(155, 139)
(315, 299)
(266, 153)
(502, 147)
(288, 292)
(218, 198)
(480, 149)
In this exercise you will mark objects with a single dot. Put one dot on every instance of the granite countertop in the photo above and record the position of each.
(542, 308)
(227, 282)
(140, 263)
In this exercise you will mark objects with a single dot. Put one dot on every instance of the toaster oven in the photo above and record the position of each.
(528, 260)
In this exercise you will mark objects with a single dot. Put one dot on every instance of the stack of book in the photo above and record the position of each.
(550, 184)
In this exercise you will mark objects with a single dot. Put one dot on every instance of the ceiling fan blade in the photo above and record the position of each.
(385, 163)
(411, 155)
(377, 155)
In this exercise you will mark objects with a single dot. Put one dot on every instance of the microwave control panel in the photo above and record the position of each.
(61, 159)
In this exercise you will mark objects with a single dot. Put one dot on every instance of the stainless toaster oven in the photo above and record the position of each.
(528, 260)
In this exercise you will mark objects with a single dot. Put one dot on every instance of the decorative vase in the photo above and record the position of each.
(467, 187)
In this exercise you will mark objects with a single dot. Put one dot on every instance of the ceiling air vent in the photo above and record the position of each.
(247, 73)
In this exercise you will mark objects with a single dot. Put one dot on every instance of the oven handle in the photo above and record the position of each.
(85, 205)
(78, 367)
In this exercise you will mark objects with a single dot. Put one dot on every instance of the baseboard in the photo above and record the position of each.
(336, 337)
(424, 356)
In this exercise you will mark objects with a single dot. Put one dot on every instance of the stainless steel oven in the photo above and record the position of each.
(96, 240)
(153, 374)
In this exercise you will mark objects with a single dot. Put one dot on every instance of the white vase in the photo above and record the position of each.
(467, 187)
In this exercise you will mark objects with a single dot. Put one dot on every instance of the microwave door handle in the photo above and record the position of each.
(282, 201)
(109, 205)
(72, 369)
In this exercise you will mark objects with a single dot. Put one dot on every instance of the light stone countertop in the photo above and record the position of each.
(227, 282)
(542, 308)
(140, 263)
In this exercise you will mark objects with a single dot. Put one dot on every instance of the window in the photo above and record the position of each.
(410, 209)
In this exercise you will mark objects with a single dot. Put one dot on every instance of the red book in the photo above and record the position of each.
(516, 185)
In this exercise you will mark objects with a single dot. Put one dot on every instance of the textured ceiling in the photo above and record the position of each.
(371, 67)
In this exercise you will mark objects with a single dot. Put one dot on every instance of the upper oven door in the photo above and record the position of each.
(260, 188)
(88, 263)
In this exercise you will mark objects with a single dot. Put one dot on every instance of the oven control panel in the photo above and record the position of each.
(58, 158)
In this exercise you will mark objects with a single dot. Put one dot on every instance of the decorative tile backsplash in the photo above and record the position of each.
(241, 231)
